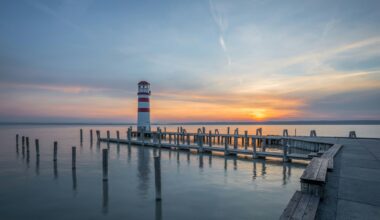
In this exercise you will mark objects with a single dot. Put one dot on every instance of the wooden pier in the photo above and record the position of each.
(256, 146)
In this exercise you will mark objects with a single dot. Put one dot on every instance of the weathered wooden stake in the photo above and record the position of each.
(97, 135)
(37, 147)
(157, 175)
(27, 144)
(91, 138)
(73, 157)
(81, 135)
(225, 146)
(105, 164)
(118, 136)
(55, 150)
(108, 135)
(17, 140)
(209, 139)
(254, 148)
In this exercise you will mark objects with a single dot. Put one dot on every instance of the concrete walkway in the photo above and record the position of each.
(353, 188)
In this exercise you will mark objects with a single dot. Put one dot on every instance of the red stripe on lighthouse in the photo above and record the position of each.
(144, 110)
(143, 99)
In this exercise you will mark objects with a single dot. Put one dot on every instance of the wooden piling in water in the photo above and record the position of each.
(157, 175)
(225, 146)
(73, 157)
(55, 151)
(105, 164)
(254, 150)
(209, 139)
(81, 135)
(108, 135)
(129, 135)
(27, 144)
(17, 140)
(91, 138)
(97, 135)
(37, 148)
(118, 136)
(23, 145)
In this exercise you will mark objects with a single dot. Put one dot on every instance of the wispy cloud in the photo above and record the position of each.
(222, 25)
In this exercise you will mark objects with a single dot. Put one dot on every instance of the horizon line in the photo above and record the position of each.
(288, 122)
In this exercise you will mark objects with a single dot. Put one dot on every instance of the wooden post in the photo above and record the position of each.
(129, 135)
(263, 145)
(236, 137)
(200, 143)
(285, 147)
(105, 164)
(170, 138)
(23, 145)
(55, 151)
(159, 138)
(118, 136)
(209, 139)
(177, 139)
(254, 148)
(157, 175)
(81, 135)
(91, 138)
(37, 147)
(97, 135)
(27, 144)
(17, 140)
(225, 146)
(73, 157)
(188, 139)
(108, 135)
(245, 139)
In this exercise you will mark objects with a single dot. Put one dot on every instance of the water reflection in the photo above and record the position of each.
(143, 169)
(118, 150)
(235, 163)
(263, 168)
(38, 165)
(158, 210)
(27, 158)
(129, 154)
(105, 197)
(210, 160)
(74, 177)
(286, 173)
(55, 170)
(188, 157)
(201, 161)
(254, 169)
(225, 163)
(178, 158)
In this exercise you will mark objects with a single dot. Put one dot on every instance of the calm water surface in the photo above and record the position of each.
(193, 186)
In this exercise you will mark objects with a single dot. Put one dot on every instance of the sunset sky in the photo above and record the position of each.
(74, 61)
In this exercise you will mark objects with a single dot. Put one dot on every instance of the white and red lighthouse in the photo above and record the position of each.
(143, 118)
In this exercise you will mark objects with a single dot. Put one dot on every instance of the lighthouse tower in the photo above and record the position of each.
(143, 118)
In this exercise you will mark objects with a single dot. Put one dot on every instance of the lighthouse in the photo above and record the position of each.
(143, 118)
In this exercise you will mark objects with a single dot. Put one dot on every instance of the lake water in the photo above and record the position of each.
(193, 186)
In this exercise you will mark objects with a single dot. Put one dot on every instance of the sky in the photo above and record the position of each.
(81, 60)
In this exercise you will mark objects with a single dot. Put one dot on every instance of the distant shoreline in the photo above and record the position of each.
(311, 122)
